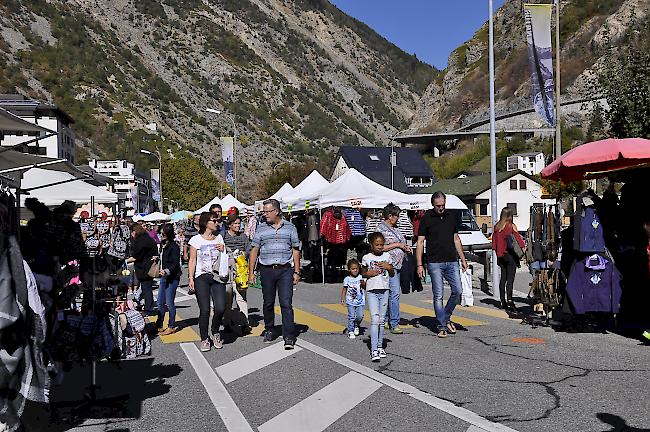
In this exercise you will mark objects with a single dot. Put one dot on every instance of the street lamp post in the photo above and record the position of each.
(160, 188)
(234, 144)
(493, 150)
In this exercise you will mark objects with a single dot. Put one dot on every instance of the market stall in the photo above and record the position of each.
(605, 253)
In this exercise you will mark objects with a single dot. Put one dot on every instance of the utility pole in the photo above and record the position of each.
(493, 149)
(558, 123)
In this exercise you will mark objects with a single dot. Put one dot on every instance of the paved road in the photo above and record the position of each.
(494, 375)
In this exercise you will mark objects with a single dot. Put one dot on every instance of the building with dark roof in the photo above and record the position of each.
(410, 174)
(59, 145)
(515, 189)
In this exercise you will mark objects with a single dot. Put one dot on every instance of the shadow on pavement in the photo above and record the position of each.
(617, 423)
(139, 379)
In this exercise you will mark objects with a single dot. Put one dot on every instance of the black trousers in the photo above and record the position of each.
(207, 288)
(278, 281)
(508, 266)
(147, 294)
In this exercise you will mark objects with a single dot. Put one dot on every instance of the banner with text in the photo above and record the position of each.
(227, 145)
(540, 57)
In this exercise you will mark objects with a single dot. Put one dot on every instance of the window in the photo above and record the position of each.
(483, 209)
(513, 207)
(522, 185)
(513, 184)
(374, 157)
(531, 160)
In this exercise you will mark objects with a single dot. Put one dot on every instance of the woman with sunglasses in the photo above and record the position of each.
(205, 254)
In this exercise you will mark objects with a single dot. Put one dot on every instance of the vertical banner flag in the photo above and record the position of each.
(540, 58)
(155, 190)
(227, 144)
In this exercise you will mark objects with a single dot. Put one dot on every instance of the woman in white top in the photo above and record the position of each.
(205, 255)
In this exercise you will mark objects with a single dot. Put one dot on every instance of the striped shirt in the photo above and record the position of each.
(276, 245)
(236, 242)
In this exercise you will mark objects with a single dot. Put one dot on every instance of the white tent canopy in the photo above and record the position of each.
(353, 189)
(305, 191)
(156, 217)
(284, 190)
(230, 201)
(206, 207)
(68, 188)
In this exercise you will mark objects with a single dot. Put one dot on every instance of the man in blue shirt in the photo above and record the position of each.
(276, 244)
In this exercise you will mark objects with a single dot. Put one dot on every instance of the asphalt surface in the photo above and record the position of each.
(496, 373)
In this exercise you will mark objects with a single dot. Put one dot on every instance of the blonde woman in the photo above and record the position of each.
(506, 258)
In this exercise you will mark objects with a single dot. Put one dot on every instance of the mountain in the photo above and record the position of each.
(299, 77)
(460, 93)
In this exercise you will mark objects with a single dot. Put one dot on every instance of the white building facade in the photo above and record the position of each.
(132, 187)
(518, 192)
(60, 146)
(531, 163)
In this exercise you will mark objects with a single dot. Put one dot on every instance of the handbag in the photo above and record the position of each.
(513, 246)
(154, 270)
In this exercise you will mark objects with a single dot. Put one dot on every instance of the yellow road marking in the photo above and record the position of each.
(418, 311)
(343, 309)
(257, 330)
(495, 313)
(314, 322)
(186, 334)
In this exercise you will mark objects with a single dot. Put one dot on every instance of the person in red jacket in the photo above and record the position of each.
(506, 258)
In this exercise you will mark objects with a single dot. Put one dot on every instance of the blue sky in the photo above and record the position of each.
(431, 29)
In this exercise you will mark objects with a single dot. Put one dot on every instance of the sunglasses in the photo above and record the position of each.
(268, 211)
(214, 220)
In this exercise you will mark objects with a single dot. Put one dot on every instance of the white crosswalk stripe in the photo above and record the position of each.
(254, 361)
(331, 402)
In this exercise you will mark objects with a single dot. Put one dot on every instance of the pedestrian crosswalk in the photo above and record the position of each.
(315, 410)
(319, 319)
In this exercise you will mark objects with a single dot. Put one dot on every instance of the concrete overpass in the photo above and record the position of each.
(522, 121)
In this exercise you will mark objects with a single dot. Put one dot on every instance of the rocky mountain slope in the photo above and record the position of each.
(299, 77)
(459, 95)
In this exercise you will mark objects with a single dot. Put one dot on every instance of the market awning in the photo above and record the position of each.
(12, 122)
(599, 157)
(14, 163)
(53, 187)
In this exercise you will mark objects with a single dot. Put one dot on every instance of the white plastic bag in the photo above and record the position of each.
(466, 282)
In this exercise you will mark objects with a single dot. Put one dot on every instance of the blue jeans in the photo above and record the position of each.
(278, 281)
(355, 316)
(166, 296)
(377, 304)
(450, 271)
(392, 314)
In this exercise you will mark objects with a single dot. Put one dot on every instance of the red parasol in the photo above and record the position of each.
(599, 157)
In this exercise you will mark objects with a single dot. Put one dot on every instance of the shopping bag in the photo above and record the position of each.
(466, 283)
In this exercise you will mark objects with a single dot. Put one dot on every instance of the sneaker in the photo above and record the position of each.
(356, 330)
(351, 335)
(268, 336)
(396, 330)
(382, 352)
(374, 356)
(386, 325)
(289, 343)
(205, 345)
(218, 344)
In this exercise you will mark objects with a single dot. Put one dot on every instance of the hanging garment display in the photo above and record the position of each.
(355, 222)
(404, 225)
(594, 285)
(23, 375)
(312, 227)
(251, 226)
(590, 231)
(333, 227)
(545, 286)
